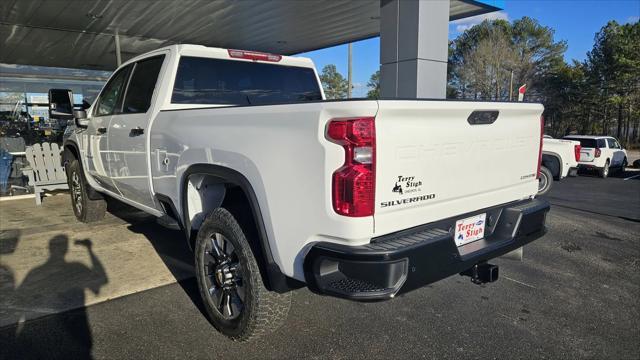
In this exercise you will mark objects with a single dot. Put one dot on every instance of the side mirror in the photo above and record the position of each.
(60, 104)
(81, 118)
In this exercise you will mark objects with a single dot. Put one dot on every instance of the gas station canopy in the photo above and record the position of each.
(86, 33)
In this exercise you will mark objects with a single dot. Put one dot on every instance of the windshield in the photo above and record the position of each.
(217, 81)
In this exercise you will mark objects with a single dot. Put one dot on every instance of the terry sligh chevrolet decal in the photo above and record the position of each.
(407, 185)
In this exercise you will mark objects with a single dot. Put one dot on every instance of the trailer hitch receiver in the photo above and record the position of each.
(482, 273)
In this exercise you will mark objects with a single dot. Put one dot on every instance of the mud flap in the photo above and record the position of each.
(516, 254)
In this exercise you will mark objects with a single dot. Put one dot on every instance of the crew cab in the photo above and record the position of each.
(276, 188)
(600, 153)
(559, 160)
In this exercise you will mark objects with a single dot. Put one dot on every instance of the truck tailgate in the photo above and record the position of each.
(435, 160)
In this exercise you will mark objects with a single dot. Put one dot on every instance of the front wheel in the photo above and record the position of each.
(231, 287)
(85, 209)
(545, 181)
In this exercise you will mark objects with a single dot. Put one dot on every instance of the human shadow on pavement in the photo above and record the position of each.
(56, 284)
(8, 243)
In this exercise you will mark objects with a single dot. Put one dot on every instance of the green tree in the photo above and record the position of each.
(569, 100)
(484, 57)
(334, 84)
(480, 60)
(615, 65)
(600, 95)
(537, 54)
(374, 86)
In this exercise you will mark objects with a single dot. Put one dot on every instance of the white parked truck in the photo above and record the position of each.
(559, 160)
(276, 188)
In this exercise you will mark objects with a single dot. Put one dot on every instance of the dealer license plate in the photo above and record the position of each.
(470, 229)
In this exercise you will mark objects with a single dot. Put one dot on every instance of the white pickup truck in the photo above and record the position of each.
(559, 160)
(276, 188)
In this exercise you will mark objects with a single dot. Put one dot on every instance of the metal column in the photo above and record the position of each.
(414, 48)
(118, 55)
(349, 73)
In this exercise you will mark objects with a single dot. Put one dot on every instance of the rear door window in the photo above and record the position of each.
(602, 144)
(219, 81)
(142, 84)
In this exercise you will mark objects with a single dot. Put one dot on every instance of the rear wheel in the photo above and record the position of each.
(230, 283)
(604, 172)
(85, 209)
(545, 181)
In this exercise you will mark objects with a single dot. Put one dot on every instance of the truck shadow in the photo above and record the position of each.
(627, 173)
(170, 245)
(614, 173)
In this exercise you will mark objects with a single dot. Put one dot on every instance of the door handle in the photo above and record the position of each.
(136, 131)
(101, 130)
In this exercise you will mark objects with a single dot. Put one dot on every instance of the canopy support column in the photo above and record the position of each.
(414, 39)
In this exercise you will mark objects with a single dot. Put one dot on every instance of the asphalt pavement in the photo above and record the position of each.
(575, 295)
(618, 195)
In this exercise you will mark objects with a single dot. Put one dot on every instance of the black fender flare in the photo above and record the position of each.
(558, 159)
(274, 277)
(71, 146)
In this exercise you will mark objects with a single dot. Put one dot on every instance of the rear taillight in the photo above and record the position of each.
(354, 182)
(598, 152)
(576, 151)
(540, 149)
(254, 55)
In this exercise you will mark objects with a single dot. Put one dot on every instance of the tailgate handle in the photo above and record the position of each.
(479, 117)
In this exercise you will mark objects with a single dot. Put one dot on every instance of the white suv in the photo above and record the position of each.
(600, 153)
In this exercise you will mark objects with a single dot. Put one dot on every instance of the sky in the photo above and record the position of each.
(575, 21)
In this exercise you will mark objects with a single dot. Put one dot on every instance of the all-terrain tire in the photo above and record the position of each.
(263, 311)
(545, 181)
(85, 209)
